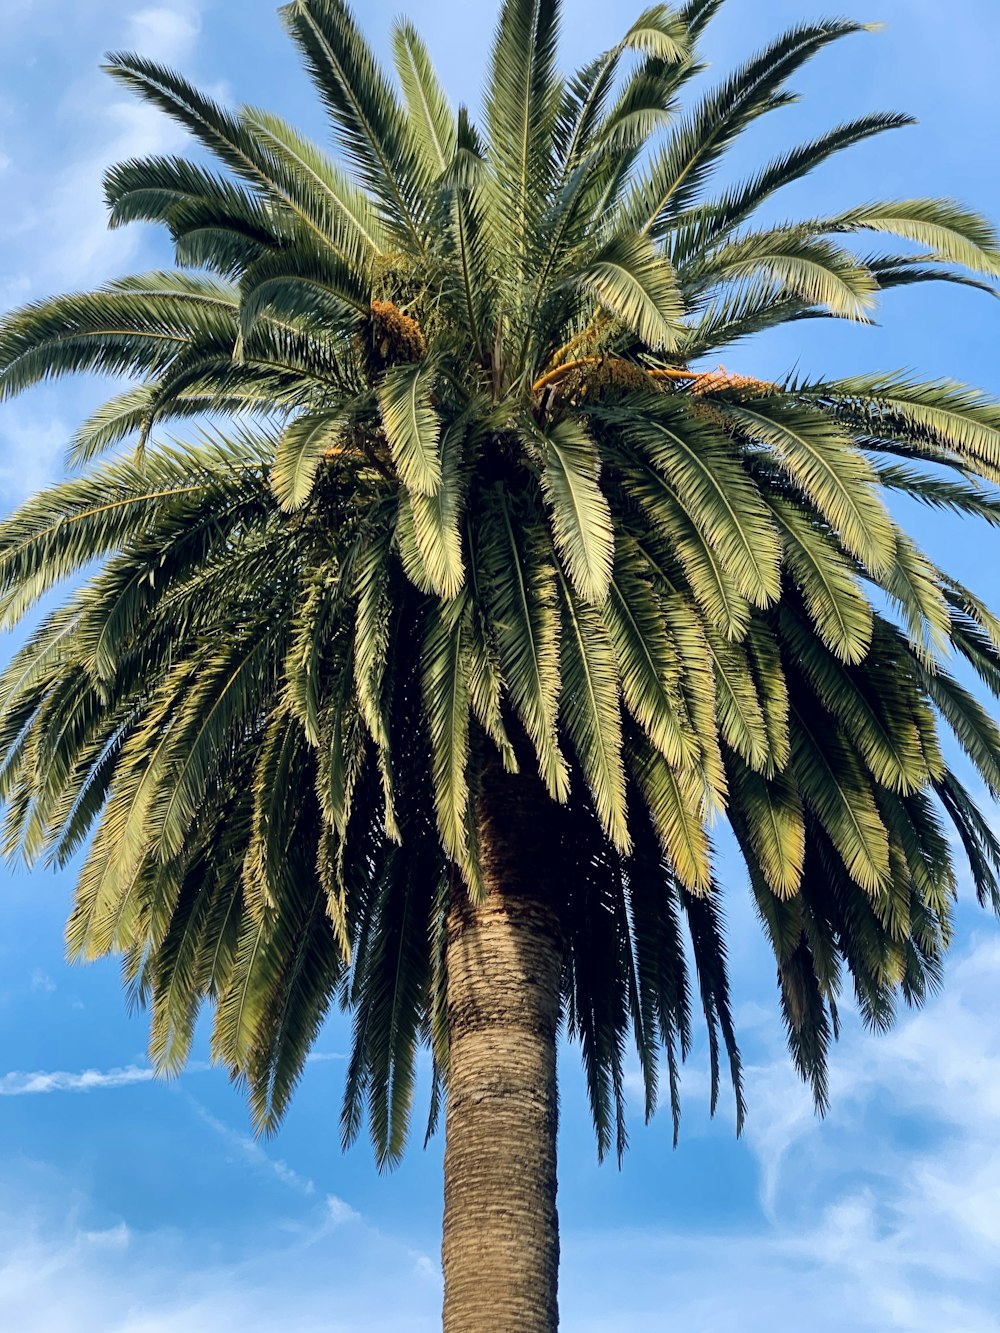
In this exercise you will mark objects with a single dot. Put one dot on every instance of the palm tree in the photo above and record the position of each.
(413, 678)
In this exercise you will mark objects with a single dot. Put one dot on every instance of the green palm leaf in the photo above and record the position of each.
(953, 233)
(830, 587)
(364, 110)
(521, 103)
(839, 482)
(773, 812)
(678, 171)
(648, 665)
(674, 800)
(591, 712)
(581, 518)
(637, 285)
(446, 694)
(717, 496)
(412, 426)
(832, 783)
(299, 454)
(521, 584)
(430, 116)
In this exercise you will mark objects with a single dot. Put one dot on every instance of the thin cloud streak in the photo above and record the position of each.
(250, 1149)
(23, 1084)
(17, 1084)
(858, 1224)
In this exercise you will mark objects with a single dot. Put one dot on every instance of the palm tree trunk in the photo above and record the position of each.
(501, 1236)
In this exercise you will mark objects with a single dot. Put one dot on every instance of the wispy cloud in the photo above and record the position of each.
(55, 1277)
(32, 444)
(57, 236)
(16, 1084)
(322, 1268)
(252, 1151)
(865, 1225)
(20, 1084)
(41, 1082)
(340, 1212)
(167, 33)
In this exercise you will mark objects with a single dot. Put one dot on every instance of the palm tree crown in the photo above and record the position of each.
(453, 497)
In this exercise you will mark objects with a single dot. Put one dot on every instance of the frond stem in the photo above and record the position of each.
(701, 381)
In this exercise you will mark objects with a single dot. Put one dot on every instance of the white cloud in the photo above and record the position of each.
(16, 1084)
(865, 1226)
(41, 981)
(340, 1212)
(428, 1270)
(42, 1082)
(114, 1238)
(323, 1057)
(941, 1065)
(314, 1277)
(14, 289)
(166, 33)
(839, 1274)
(251, 1150)
(80, 250)
(59, 227)
(884, 1216)
(31, 450)
(57, 235)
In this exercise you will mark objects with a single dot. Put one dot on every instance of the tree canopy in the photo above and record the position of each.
(451, 491)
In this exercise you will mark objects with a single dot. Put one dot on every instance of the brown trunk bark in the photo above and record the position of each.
(501, 1237)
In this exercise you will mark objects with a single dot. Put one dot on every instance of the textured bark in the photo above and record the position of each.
(501, 1238)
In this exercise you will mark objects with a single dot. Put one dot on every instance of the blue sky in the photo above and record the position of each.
(133, 1206)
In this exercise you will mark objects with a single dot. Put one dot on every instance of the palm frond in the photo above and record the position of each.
(475, 507)
(522, 95)
(953, 234)
(637, 285)
(822, 461)
(369, 122)
(591, 712)
(431, 118)
(521, 588)
(581, 518)
(412, 426)
(717, 218)
(677, 173)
